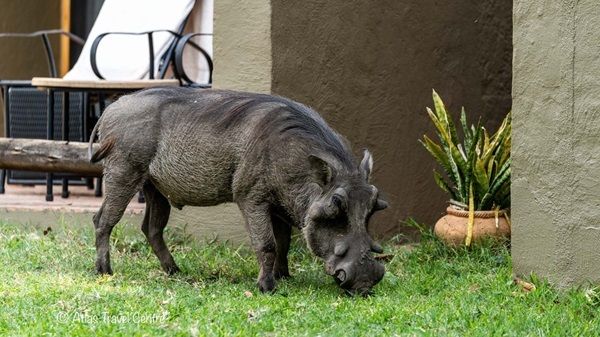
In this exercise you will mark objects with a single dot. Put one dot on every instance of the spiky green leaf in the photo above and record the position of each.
(439, 180)
(436, 151)
(502, 177)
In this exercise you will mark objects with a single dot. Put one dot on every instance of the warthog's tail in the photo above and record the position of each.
(104, 148)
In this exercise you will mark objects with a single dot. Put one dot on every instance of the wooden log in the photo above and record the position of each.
(47, 156)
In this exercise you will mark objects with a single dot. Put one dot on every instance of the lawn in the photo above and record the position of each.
(48, 287)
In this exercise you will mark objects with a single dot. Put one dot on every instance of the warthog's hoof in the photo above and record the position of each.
(172, 269)
(103, 269)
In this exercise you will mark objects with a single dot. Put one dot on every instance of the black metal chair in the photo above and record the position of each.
(70, 107)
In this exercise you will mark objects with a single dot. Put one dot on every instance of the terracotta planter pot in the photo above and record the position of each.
(452, 227)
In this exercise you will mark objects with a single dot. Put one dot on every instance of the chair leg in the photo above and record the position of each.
(65, 188)
(65, 136)
(86, 130)
(89, 182)
(49, 187)
(98, 191)
(2, 181)
(141, 198)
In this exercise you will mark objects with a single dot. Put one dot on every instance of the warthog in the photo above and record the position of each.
(276, 158)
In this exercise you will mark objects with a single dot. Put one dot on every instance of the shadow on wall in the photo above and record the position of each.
(370, 70)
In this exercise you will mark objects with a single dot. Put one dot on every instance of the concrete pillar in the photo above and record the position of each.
(556, 147)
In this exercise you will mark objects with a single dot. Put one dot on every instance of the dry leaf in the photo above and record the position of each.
(524, 284)
(474, 287)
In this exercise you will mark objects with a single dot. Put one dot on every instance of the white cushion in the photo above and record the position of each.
(126, 57)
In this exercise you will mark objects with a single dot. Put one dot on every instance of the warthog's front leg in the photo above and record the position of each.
(258, 223)
(282, 230)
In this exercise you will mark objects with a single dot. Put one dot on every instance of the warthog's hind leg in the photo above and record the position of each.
(119, 191)
(156, 217)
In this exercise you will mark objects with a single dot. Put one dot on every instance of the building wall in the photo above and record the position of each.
(23, 58)
(369, 68)
(556, 147)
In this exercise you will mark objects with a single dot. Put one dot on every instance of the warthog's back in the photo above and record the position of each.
(196, 158)
(193, 143)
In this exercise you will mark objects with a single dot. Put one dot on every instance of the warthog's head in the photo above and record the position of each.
(336, 224)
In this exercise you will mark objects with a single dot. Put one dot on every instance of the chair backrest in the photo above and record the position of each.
(126, 57)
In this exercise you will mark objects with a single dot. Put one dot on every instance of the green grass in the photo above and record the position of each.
(47, 287)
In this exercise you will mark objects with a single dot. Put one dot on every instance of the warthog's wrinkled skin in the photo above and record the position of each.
(277, 159)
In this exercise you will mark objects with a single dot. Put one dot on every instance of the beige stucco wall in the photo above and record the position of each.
(242, 61)
(242, 45)
(556, 148)
(23, 58)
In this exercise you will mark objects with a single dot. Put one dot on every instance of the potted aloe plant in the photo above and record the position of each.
(477, 177)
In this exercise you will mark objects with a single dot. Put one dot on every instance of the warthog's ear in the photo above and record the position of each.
(366, 165)
(322, 169)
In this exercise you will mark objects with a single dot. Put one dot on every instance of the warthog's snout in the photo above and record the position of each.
(359, 278)
(354, 268)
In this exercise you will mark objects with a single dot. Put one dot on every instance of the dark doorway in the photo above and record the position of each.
(83, 16)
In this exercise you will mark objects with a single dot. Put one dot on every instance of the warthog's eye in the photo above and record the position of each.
(338, 202)
(377, 204)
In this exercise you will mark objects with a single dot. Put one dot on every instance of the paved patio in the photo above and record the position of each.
(32, 198)
(27, 205)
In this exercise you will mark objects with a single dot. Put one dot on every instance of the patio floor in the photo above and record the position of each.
(28, 205)
(32, 198)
